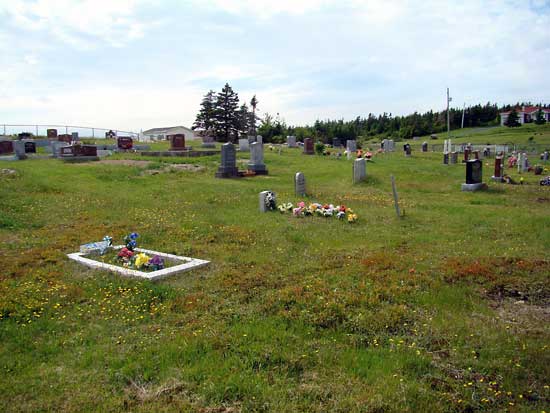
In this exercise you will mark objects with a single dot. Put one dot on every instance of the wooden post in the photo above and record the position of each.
(395, 198)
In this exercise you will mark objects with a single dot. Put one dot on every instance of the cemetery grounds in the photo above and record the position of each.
(445, 309)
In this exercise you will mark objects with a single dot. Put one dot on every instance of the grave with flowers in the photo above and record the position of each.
(129, 260)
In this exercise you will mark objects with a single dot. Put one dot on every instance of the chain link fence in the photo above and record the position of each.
(83, 131)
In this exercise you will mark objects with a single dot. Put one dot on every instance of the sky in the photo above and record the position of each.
(137, 64)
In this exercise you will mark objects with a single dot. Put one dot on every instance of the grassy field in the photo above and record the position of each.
(445, 309)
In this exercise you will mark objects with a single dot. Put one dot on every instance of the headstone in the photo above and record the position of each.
(407, 149)
(51, 133)
(499, 169)
(65, 137)
(351, 146)
(30, 147)
(336, 143)
(228, 167)
(359, 170)
(308, 146)
(545, 156)
(416, 138)
(56, 148)
(177, 142)
(6, 147)
(256, 163)
(24, 135)
(244, 146)
(110, 134)
(445, 159)
(454, 158)
(523, 163)
(386, 145)
(19, 148)
(291, 141)
(476, 154)
(268, 201)
(300, 184)
(466, 154)
(124, 143)
(474, 175)
(208, 142)
(74, 136)
(487, 152)
(425, 147)
(260, 139)
(391, 145)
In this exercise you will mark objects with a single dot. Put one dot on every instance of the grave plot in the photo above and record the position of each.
(131, 261)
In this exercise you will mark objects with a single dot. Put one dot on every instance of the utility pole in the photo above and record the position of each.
(463, 110)
(449, 99)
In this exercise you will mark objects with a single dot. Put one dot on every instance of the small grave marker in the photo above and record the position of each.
(359, 170)
(300, 184)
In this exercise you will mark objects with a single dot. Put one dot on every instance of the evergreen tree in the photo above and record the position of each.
(205, 120)
(513, 119)
(539, 119)
(244, 119)
(227, 119)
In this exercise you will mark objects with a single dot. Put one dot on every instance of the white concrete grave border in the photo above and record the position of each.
(190, 264)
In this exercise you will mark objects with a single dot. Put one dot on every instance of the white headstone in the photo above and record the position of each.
(392, 145)
(300, 184)
(244, 146)
(359, 170)
(260, 139)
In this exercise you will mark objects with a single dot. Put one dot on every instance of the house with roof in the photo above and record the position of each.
(160, 134)
(526, 114)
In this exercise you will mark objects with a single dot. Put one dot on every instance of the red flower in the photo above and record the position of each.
(125, 253)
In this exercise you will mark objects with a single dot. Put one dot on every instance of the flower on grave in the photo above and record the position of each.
(342, 208)
(108, 239)
(141, 260)
(130, 240)
(156, 263)
(341, 215)
(301, 204)
(297, 211)
(352, 218)
(125, 255)
(270, 202)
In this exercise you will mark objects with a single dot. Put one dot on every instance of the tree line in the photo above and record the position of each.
(221, 116)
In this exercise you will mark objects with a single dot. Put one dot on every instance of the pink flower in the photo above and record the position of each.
(301, 204)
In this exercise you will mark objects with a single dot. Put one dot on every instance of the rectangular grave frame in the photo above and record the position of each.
(193, 263)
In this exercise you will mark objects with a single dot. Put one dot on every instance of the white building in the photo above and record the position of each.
(526, 114)
(160, 134)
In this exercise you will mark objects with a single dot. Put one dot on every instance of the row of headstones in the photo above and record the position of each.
(228, 167)
(351, 145)
(244, 144)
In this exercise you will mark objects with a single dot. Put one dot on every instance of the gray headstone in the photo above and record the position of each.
(228, 167)
(291, 141)
(300, 184)
(74, 136)
(359, 170)
(244, 146)
(56, 148)
(454, 158)
(392, 145)
(351, 146)
(19, 149)
(260, 139)
(256, 163)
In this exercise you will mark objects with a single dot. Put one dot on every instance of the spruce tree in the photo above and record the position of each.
(227, 120)
(513, 119)
(539, 119)
(205, 120)
(243, 117)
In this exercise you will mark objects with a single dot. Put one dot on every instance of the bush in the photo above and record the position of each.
(319, 148)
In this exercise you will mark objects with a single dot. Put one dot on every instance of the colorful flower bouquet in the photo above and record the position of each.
(322, 210)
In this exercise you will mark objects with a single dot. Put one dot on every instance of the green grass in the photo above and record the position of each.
(313, 314)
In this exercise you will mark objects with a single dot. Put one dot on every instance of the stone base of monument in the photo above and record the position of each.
(473, 187)
(9, 158)
(77, 159)
(182, 264)
(497, 178)
(228, 173)
(257, 169)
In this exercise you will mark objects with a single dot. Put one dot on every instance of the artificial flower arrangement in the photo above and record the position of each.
(270, 201)
(128, 258)
(323, 210)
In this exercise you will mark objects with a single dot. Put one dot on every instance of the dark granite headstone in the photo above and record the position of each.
(30, 147)
(336, 143)
(445, 159)
(499, 169)
(51, 133)
(124, 143)
(65, 137)
(474, 172)
(6, 147)
(308, 146)
(24, 135)
(407, 149)
(466, 154)
(425, 147)
(177, 142)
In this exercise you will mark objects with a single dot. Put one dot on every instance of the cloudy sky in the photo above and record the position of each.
(136, 64)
